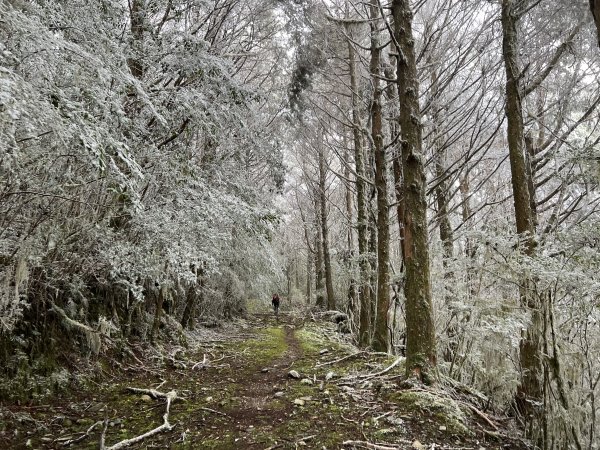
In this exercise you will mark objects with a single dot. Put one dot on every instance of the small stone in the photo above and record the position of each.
(146, 398)
(442, 428)
(418, 445)
(299, 402)
(294, 374)
(306, 381)
(208, 399)
(394, 420)
(278, 394)
(325, 350)
(329, 376)
(264, 370)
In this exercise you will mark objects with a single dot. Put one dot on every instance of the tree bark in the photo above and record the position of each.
(319, 273)
(381, 332)
(352, 291)
(162, 293)
(595, 8)
(325, 231)
(443, 219)
(364, 331)
(420, 343)
(530, 388)
(194, 294)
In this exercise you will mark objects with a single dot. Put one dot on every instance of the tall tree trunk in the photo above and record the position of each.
(399, 192)
(319, 273)
(373, 259)
(530, 389)
(595, 8)
(325, 230)
(352, 292)
(420, 342)
(362, 220)
(381, 332)
(443, 219)
(392, 108)
(309, 264)
(470, 246)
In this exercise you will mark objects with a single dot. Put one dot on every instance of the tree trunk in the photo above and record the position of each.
(325, 231)
(595, 8)
(162, 293)
(443, 219)
(319, 275)
(194, 294)
(352, 292)
(398, 190)
(470, 246)
(364, 331)
(420, 344)
(309, 263)
(381, 332)
(530, 388)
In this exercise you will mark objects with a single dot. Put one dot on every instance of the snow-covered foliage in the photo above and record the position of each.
(136, 146)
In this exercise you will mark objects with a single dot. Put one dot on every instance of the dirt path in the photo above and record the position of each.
(243, 398)
(256, 411)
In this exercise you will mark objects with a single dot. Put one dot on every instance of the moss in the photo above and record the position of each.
(444, 409)
(261, 351)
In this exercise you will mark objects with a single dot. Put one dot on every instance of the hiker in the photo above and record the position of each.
(275, 302)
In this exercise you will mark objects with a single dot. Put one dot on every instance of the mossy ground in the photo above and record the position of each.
(244, 399)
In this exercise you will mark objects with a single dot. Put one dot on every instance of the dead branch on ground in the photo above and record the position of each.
(165, 426)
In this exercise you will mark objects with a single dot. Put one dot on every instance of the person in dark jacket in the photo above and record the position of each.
(275, 302)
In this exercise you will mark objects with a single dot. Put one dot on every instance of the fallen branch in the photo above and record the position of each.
(296, 442)
(482, 415)
(153, 393)
(201, 364)
(214, 411)
(365, 444)
(353, 355)
(166, 426)
(384, 371)
(83, 436)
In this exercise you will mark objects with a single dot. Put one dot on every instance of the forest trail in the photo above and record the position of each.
(235, 392)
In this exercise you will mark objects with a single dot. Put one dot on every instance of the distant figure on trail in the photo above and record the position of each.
(275, 302)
